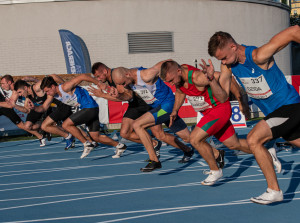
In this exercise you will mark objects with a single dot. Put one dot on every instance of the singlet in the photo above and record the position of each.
(268, 89)
(155, 94)
(36, 99)
(80, 98)
(3, 95)
(202, 101)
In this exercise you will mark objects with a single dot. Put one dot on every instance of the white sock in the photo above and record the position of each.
(69, 136)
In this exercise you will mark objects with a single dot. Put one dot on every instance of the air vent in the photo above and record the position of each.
(150, 42)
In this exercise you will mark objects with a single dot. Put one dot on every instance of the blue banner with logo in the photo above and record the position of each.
(76, 53)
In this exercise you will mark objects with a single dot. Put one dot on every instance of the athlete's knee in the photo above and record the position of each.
(124, 133)
(161, 135)
(136, 125)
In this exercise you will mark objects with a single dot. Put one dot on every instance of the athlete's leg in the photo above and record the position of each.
(70, 127)
(104, 139)
(170, 139)
(260, 134)
(49, 125)
(22, 126)
(235, 143)
(139, 127)
(127, 131)
(198, 140)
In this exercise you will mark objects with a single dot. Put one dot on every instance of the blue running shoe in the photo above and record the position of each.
(70, 143)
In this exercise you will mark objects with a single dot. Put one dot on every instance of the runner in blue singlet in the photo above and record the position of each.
(265, 84)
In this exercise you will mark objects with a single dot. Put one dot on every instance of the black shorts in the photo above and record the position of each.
(11, 114)
(136, 108)
(34, 116)
(87, 116)
(61, 112)
(285, 122)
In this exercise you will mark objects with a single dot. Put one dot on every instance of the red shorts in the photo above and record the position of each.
(217, 122)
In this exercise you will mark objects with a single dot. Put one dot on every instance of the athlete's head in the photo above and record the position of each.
(170, 72)
(21, 87)
(100, 71)
(121, 76)
(48, 85)
(223, 47)
(6, 82)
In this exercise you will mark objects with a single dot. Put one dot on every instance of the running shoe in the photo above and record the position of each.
(95, 144)
(70, 143)
(120, 149)
(152, 165)
(270, 196)
(186, 156)
(213, 176)
(220, 160)
(276, 161)
(42, 142)
(88, 147)
(157, 150)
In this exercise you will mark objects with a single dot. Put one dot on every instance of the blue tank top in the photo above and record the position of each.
(80, 98)
(268, 89)
(154, 95)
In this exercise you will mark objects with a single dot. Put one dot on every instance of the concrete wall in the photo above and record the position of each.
(30, 43)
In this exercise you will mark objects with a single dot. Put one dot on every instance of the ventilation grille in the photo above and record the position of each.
(150, 42)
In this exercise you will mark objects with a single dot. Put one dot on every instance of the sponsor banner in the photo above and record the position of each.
(237, 119)
(76, 53)
(296, 82)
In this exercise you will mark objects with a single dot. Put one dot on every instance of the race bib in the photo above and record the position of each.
(71, 102)
(198, 103)
(257, 88)
(146, 95)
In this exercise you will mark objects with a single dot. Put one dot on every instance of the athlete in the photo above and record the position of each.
(136, 108)
(71, 94)
(147, 84)
(33, 94)
(190, 82)
(265, 84)
(6, 108)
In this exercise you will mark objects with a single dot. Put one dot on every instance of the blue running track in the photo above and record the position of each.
(50, 184)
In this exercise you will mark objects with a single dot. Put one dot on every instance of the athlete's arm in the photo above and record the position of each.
(220, 88)
(98, 92)
(236, 91)
(71, 84)
(30, 79)
(262, 55)
(44, 107)
(20, 108)
(57, 78)
(150, 74)
(179, 100)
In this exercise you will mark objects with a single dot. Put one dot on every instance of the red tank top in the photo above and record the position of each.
(200, 100)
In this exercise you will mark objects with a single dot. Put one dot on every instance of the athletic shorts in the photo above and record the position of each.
(87, 116)
(217, 122)
(162, 115)
(11, 114)
(34, 116)
(61, 112)
(136, 108)
(285, 122)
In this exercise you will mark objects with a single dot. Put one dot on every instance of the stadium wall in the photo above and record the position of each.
(30, 43)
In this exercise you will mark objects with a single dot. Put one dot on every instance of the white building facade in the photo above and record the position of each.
(177, 29)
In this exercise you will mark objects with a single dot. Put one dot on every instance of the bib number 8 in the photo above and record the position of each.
(236, 114)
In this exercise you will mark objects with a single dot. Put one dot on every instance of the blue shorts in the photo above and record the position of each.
(162, 115)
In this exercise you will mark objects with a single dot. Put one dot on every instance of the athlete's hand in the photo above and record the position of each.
(102, 86)
(173, 116)
(97, 92)
(29, 104)
(10, 103)
(245, 109)
(207, 70)
(113, 92)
